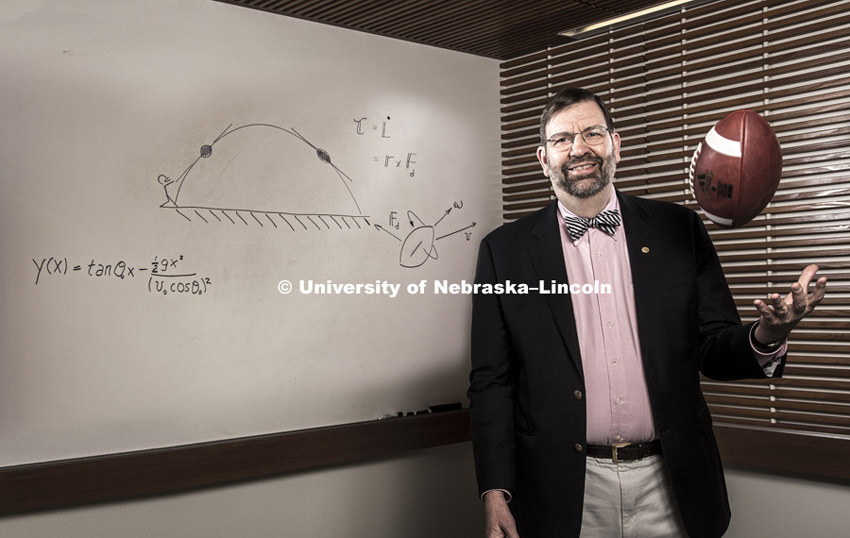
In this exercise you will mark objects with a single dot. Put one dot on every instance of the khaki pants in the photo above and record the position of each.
(632, 499)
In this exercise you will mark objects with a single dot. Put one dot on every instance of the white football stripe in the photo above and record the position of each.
(723, 145)
(717, 220)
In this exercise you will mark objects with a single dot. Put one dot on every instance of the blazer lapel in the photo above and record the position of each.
(547, 257)
(641, 239)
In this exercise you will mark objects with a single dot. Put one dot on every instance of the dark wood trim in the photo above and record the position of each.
(806, 453)
(59, 484)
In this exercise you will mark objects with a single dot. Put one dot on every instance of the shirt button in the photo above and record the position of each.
(614, 360)
(617, 401)
(577, 395)
(610, 324)
(619, 437)
(579, 448)
(598, 254)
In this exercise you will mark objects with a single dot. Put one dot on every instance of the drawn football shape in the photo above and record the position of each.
(735, 170)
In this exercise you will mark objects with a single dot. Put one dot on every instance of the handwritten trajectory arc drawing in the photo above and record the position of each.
(416, 249)
(174, 187)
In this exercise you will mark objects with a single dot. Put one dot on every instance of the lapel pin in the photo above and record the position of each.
(644, 249)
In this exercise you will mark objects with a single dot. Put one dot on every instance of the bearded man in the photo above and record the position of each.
(587, 415)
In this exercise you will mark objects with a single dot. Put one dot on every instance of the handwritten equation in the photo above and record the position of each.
(406, 161)
(163, 275)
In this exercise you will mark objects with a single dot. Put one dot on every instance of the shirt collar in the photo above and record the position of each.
(613, 203)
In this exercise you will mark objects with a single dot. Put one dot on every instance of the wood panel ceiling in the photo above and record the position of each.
(500, 29)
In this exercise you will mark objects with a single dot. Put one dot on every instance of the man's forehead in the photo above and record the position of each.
(576, 116)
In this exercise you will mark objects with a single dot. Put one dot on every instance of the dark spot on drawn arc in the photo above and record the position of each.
(323, 156)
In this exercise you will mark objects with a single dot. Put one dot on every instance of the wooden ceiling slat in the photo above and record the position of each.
(498, 30)
(354, 15)
(493, 30)
(522, 34)
(474, 14)
(422, 22)
(397, 14)
(334, 12)
(269, 4)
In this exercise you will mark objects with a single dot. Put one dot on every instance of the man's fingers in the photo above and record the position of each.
(780, 315)
(504, 529)
(798, 298)
(510, 531)
(807, 275)
(818, 293)
(779, 305)
(763, 308)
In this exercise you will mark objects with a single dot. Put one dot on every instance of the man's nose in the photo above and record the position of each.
(579, 146)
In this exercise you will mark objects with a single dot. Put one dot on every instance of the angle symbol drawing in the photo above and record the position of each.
(223, 193)
(419, 245)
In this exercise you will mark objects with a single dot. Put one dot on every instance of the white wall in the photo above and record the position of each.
(778, 506)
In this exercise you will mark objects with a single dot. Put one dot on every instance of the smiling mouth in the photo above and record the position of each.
(582, 167)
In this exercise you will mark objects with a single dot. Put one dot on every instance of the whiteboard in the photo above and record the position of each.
(167, 166)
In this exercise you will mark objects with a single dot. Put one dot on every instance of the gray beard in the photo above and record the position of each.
(580, 188)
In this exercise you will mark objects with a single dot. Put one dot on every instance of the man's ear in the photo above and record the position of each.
(615, 138)
(544, 161)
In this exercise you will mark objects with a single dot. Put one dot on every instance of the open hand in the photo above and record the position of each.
(781, 314)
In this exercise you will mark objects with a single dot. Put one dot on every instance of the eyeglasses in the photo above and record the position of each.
(592, 136)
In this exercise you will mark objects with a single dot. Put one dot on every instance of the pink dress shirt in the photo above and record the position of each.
(618, 409)
(616, 395)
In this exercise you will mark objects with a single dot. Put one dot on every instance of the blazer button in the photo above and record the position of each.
(577, 395)
(579, 448)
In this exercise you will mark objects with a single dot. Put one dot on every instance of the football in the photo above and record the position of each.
(735, 170)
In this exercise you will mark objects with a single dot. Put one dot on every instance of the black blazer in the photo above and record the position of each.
(529, 423)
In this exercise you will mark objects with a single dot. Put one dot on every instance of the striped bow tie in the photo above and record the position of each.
(607, 221)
